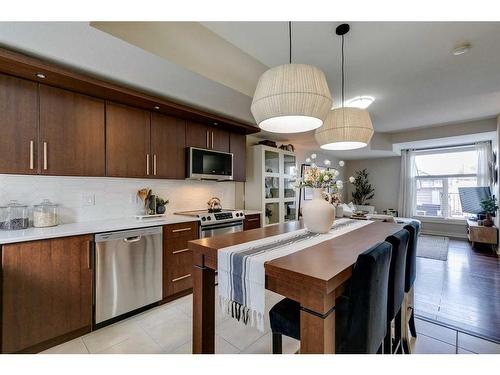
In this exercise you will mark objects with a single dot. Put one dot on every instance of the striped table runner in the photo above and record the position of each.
(241, 274)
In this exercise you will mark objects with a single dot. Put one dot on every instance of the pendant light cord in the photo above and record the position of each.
(290, 40)
(342, 71)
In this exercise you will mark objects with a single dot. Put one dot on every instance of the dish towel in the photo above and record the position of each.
(241, 274)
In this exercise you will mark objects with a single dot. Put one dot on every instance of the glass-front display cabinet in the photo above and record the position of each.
(270, 186)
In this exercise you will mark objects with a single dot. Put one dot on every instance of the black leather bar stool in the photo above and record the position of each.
(413, 229)
(360, 315)
(396, 289)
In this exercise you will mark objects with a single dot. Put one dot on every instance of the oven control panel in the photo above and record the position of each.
(221, 217)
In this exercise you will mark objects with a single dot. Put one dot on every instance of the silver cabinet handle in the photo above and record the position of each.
(207, 139)
(45, 162)
(147, 164)
(132, 239)
(254, 219)
(181, 278)
(154, 164)
(32, 160)
(212, 140)
(181, 230)
(180, 251)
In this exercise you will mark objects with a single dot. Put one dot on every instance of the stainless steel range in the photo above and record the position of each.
(217, 222)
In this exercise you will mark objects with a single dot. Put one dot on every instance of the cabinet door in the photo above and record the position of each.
(219, 139)
(71, 133)
(18, 125)
(127, 141)
(237, 145)
(251, 222)
(47, 292)
(177, 258)
(168, 146)
(197, 135)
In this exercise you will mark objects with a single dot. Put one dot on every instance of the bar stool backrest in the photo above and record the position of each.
(399, 242)
(411, 256)
(368, 300)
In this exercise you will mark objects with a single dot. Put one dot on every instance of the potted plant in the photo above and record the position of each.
(364, 191)
(160, 205)
(318, 213)
(489, 205)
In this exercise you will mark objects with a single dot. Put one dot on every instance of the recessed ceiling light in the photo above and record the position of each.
(460, 50)
(40, 75)
(156, 107)
(360, 102)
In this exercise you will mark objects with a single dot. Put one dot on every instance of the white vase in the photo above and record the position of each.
(318, 214)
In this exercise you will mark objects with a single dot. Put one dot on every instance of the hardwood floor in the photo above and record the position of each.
(462, 292)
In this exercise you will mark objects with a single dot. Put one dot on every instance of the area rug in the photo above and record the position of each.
(433, 247)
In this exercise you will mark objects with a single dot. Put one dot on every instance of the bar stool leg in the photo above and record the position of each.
(398, 327)
(411, 305)
(405, 340)
(388, 339)
(277, 343)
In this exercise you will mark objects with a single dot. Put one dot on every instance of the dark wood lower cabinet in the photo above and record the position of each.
(177, 258)
(46, 293)
(251, 222)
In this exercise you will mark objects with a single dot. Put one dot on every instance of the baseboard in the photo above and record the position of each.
(445, 234)
(55, 341)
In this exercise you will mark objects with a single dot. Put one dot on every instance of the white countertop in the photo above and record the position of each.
(87, 227)
(251, 212)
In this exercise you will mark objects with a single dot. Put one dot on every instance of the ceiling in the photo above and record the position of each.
(408, 67)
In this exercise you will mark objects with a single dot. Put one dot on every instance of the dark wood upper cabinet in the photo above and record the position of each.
(205, 136)
(18, 125)
(47, 292)
(197, 135)
(72, 132)
(237, 145)
(168, 143)
(127, 141)
(219, 139)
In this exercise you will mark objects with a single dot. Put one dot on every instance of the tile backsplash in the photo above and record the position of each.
(97, 198)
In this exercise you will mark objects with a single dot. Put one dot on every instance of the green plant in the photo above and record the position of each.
(364, 190)
(489, 205)
(161, 201)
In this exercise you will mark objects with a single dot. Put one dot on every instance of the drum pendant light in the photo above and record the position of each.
(291, 98)
(345, 128)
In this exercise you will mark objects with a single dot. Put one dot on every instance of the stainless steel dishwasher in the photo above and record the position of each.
(128, 271)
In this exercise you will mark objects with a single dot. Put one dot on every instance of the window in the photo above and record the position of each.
(439, 173)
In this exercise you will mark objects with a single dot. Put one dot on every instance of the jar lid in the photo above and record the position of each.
(46, 203)
(15, 204)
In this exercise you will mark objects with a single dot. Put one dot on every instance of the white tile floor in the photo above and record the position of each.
(167, 329)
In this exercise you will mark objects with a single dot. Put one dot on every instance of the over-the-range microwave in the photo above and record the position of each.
(205, 164)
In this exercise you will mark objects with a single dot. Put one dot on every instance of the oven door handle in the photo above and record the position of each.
(221, 225)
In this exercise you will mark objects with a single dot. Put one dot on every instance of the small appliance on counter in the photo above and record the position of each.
(214, 205)
(14, 216)
(45, 214)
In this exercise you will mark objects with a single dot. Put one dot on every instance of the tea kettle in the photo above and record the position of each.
(214, 205)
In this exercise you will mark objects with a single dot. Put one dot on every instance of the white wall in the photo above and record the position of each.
(114, 197)
(384, 175)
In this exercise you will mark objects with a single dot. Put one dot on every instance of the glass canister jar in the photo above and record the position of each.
(14, 216)
(45, 214)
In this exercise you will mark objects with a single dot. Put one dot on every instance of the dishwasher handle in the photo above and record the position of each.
(132, 239)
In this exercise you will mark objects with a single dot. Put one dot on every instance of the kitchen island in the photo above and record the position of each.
(314, 276)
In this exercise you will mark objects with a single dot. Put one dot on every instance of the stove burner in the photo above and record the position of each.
(212, 210)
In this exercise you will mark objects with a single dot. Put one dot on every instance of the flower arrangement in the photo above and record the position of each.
(314, 177)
